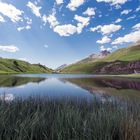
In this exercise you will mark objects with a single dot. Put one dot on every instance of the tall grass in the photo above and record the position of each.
(44, 119)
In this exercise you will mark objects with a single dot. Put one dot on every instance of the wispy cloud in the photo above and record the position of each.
(58, 2)
(74, 4)
(102, 48)
(132, 37)
(138, 9)
(89, 12)
(125, 12)
(24, 28)
(34, 8)
(113, 2)
(106, 29)
(82, 22)
(104, 40)
(132, 17)
(2, 19)
(52, 20)
(9, 48)
(136, 27)
(11, 12)
(65, 30)
(118, 20)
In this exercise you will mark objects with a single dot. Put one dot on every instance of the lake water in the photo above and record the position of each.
(59, 86)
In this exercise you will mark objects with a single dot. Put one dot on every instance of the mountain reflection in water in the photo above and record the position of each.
(58, 86)
(121, 87)
(13, 81)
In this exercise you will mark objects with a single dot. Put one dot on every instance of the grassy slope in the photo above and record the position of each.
(131, 53)
(18, 66)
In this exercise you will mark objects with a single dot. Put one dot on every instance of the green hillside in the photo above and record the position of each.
(131, 53)
(125, 55)
(18, 66)
(82, 68)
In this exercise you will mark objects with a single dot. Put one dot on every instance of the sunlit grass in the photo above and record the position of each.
(44, 119)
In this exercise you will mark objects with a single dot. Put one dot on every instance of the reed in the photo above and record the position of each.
(47, 119)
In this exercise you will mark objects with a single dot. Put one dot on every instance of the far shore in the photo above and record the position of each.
(100, 75)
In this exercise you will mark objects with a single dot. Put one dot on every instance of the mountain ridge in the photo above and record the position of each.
(128, 57)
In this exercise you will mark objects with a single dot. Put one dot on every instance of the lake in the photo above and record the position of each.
(75, 86)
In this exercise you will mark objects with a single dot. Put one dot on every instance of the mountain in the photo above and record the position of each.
(61, 67)
(95, 57)
(19, 66)
(122, 61)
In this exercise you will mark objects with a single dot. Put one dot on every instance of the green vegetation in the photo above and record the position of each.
(131, 53)
(12, 81)
(124, 55)
(9, 66)
(83, 67)
(44, 119)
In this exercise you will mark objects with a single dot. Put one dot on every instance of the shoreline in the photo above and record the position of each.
(104, 75)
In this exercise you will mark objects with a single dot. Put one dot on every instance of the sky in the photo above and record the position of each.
(56, 32)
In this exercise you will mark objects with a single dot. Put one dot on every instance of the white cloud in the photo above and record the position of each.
(106, 29)
(104, 40)
(11, 12)
(102, 48)
(24, 28)
(136, 27)
(9, 48)
(118, 20)
(44, 19)
(65, 30)
(125, 12)
(128, 38)
(132, 17)
(117, 6)
(35, 9)
(113, 2)
(58, 2)
(29, 20)
(52, 20)
(73, 4)
(90, 12)
(138, 9)
(93, 29)
(82, 22)
(2, 19)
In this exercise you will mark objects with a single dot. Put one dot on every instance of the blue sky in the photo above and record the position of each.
(56, 32)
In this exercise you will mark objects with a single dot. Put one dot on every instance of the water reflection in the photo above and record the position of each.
(113, 86)
(7, 97)
(13, 81)
(56, 86)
